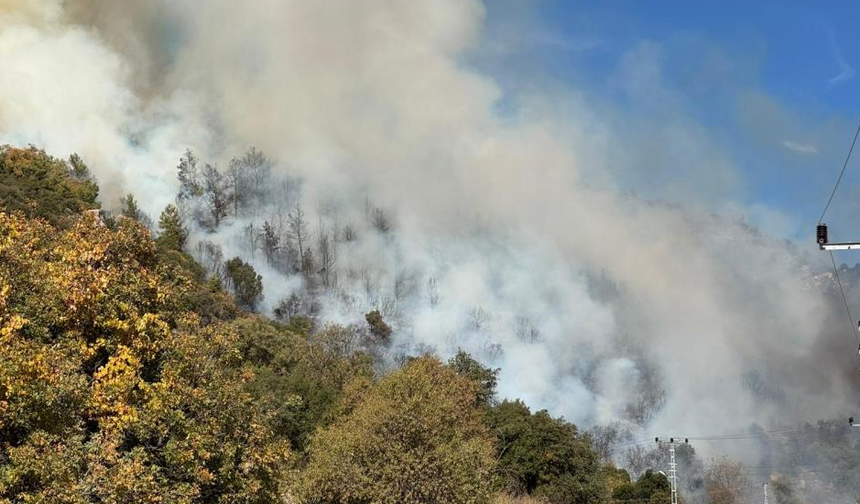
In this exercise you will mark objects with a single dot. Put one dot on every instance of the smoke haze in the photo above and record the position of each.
(585, 295)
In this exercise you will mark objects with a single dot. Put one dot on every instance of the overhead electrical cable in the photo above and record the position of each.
(713, 437)
(744, 435)
(821, 233)
(844, 299)
(841, 174)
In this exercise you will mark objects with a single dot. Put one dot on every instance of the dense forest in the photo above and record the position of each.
(135, 367)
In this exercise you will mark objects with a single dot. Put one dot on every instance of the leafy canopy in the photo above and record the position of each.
(417, 436)
(109, 390)
(247, 284)
(544, 456)
(39, 185)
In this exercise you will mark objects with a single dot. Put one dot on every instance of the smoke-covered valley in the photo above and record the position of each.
(391, 174)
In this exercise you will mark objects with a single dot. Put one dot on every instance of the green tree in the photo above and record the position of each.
(301, 382)
(80, 170)
(544, 456)
(615, 479)
(173, 234)
(41, 186)
(271, 243)
(297, 233)
(129, 207)
(377, 325)
(415, 437)
(650, 487)
(190, 184)
(464, 365)
(131, 210)
(216, 194)
(246, 283)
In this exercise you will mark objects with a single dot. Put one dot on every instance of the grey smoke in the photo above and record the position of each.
(518, 217)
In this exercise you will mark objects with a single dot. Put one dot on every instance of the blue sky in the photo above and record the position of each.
(770, 88)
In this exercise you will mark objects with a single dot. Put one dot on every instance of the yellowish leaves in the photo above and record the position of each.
(151, 334)
(5, 289)
(11, 325)
(47, 458)
(10, 230)
(247, 375)
(417, 436)
(114, 386)
(204, 475)
(39, 386)
(143, 405)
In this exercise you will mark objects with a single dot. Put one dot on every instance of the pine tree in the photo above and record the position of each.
(309, 266)
(380, 221)
(39, 185)
(80, 170)
(259, 168)
(246, 283)
(216, 193)
(298, 232)
(173, 233)
(130, 210)
(271, 243)
(190, 186)
(327, 259)
(237, 179)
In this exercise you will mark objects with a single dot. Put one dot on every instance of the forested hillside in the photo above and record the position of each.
(127, 374)
(131, 373)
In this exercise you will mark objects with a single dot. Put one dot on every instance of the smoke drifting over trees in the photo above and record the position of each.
(385, 178)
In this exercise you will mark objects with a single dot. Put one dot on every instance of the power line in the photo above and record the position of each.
(844, 166)
(755, 474)
(744, 435)
(714, 437)
(632, 444)
(844, 299)
(784, 466)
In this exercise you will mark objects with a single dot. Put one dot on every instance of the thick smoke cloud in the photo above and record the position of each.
(586, 297)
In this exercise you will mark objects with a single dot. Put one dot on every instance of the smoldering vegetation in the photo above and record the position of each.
(331, 260)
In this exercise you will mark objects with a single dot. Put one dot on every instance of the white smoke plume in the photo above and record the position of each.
(585, 296)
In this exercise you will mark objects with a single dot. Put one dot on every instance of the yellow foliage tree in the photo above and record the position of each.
(415, 437)
(110, 391)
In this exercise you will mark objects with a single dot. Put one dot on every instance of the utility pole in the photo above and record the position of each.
(765, 492)
(673, 467)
